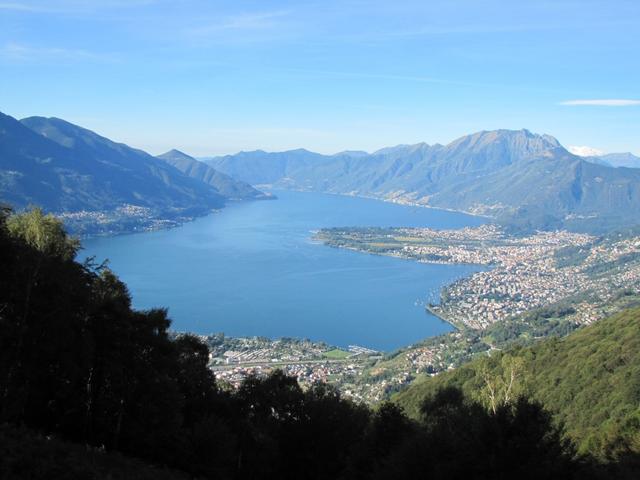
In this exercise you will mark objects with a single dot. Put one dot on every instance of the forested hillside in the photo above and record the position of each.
(590, 381)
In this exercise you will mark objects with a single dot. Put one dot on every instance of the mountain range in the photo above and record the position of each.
(521, 179)
(524, 180)
(65, 168)
(627, 159)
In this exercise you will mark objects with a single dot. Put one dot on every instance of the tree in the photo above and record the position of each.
(503, 388)
(43, 232)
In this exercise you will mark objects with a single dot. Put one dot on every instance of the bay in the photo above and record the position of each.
(253, 269)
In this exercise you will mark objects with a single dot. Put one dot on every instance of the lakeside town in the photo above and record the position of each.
(544, 284)
(125, 218)
(523, 273)
(232, 359)
(547, 283)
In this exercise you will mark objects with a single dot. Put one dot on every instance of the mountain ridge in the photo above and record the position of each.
(623, 159)
(99, 185)
(223, 184)
(523, 179)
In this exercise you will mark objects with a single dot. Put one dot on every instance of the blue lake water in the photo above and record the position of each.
(252, 269)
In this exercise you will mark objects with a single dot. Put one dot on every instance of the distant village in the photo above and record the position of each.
(126, 218)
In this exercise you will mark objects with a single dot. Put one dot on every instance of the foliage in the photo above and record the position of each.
(44, 233)
(589, 380)
(548, 321)
(28, 454)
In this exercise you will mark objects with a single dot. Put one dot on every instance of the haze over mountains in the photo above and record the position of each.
(521, 178)
(223, 184)
(627, 159)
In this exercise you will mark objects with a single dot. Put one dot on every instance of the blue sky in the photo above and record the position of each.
(212, 77)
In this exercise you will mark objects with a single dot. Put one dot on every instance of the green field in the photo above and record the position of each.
(337, 354)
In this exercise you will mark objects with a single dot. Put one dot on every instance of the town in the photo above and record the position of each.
(233, 359)
(523, 273)
(547, 283)
(125, 218)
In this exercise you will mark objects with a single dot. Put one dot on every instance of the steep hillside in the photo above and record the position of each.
(119, 173)
(96, 184)
(551, 191)
(223, 184)
(590, 380)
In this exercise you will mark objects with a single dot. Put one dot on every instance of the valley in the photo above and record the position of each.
(535, 259)
(335, 240)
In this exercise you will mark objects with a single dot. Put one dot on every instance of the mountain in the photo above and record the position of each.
(628, 160)
(353, 153)
(64, 168)
(413, 170)
(221, 183)
(590, 380)
(259, 167)
(521, 178)
(551, 191)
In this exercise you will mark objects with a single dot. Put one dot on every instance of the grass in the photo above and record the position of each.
(337, 354)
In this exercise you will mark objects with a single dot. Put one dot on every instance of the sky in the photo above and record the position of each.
(215, 77)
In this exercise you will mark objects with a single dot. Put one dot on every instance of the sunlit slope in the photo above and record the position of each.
(590, 380)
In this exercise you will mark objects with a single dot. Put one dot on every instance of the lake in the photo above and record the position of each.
(252, 269)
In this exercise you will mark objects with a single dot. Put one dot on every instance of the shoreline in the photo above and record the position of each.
(168, 223)
(267, 196)
(440, 317)
(403, 203)
(454, 325)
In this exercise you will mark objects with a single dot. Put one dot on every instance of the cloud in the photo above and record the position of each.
(610, 102)
(240, 28)
(242, 22)
(15, 52)
(584, 151)
(71, 6)
(21, 7)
